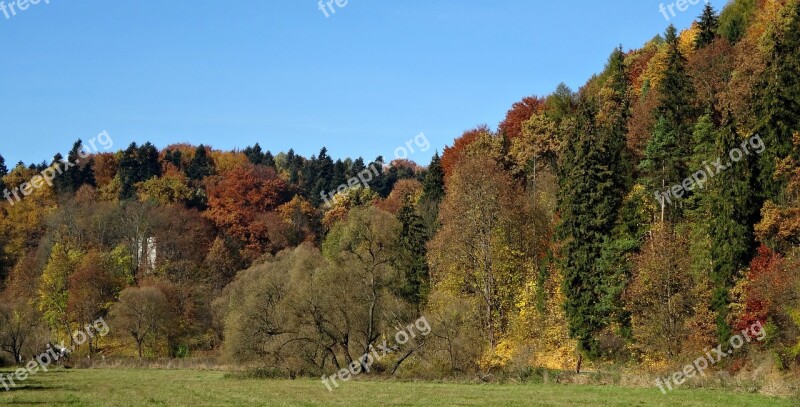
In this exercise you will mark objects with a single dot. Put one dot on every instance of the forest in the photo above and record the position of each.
(638, 221)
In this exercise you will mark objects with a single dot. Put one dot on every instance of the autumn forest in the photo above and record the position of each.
(633, 224)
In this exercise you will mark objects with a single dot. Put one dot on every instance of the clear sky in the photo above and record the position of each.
(362, 81)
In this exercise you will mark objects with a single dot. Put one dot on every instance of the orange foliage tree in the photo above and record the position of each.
(240, 200)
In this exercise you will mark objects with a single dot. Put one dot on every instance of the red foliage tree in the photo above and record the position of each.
(519, 113)
(766, 285)
(452, 155)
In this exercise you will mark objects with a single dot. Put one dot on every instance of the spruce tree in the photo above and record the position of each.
(3, 173)
(676, 93)
(412, 259)
(201, 165)
(779, 104)
(589, 202)
(254, 154)
(709, 22)
(433, 185)
(128, 172)
(268, 160)
(613, 129)
(149, 165)
(733, 213)
(669, 149)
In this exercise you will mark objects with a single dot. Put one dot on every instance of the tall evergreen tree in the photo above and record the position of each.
(149, 165)
(128, 171)
(269, 159)
(201, 165)
(589, 203)
(733, 213)
(339, 174)
(3, 173)
(708, 25)
(80, 173)
(3, 168)
(433, 185)
(676, 94)
(254, 154)
(669, 149)
(412, 259)
(137, 164)
(779, 104)
(613, 120)
(318, 175)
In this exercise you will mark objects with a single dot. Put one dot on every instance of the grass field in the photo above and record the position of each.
(210, 388)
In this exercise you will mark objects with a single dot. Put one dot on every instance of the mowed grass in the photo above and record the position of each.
(127, 387)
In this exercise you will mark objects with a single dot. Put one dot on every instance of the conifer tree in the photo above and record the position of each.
(3, 173)
(201, 165)
(268, 160)
(779, 105)
(588, 203)
(669, 149)
(412, 259)
(433, 185)
(254, 154)
(733, 213)
(709, 22)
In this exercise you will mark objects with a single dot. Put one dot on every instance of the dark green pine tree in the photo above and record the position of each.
(137, 164)
(703, 151)
(412, 259)
(669, 149)
(74, 176)
(615, 270)
(254, 154)
(733, 213)
(708, 25)
(201, 165)
(357, 166)
(779, 99)
(616, 130)
(318, 175)
(589, 203)
(175, 157)
(339, 174)
(149, 165)
(662, 166)
(677, 93)
(268, 160)
(128, 171)
(433, 185)
(3, 173)
(382, 183)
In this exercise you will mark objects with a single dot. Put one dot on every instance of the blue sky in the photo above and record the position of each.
(278, 72)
